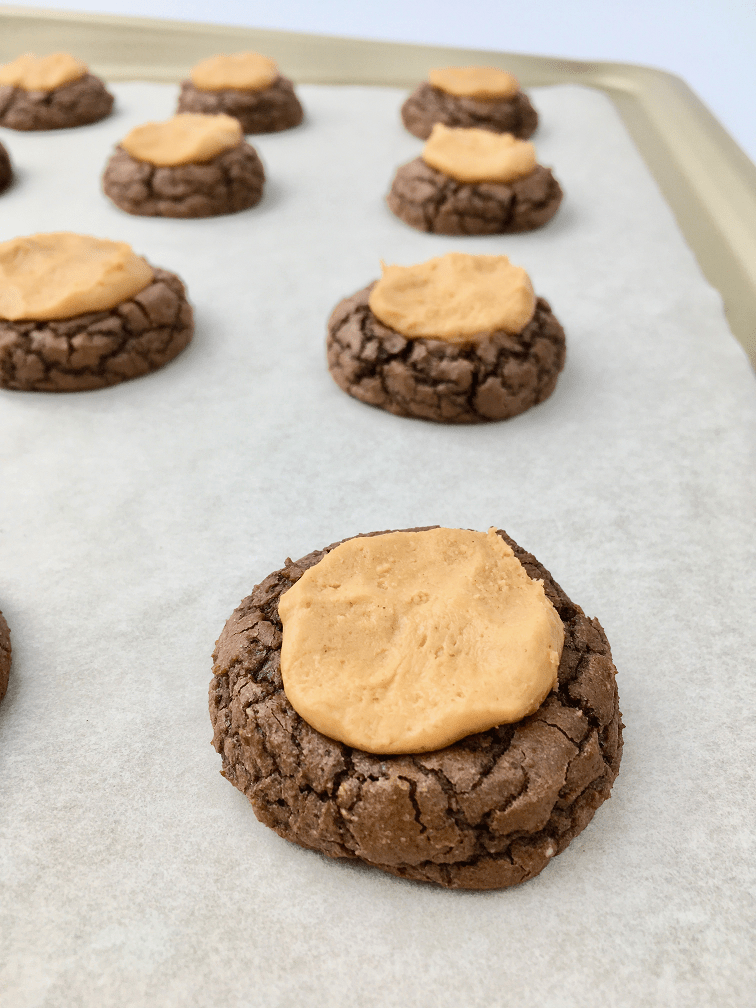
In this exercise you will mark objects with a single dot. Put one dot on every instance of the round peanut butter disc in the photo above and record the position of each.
(455, 297)
(247, 71)
(42, 73)
(475, 82)
(409, 641)
(61, 274)
(187, 138)
(476, 155)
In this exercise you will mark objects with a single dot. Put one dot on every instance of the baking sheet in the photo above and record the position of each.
(706, 179)
(133, 519)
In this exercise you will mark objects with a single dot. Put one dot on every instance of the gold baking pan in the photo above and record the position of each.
(705, 177)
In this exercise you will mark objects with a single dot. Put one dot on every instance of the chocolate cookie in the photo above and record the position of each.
(82, 101)
(493, 379)
(428, 105)
(269, 110)
(487, 812)
(429, 200)
(227, 183)
(5, 656)
(6, 169)
(100, 348)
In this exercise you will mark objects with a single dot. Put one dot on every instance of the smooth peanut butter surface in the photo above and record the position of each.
(60, 275)
(248, 71)
(409, 641)
(187, 138)
(42, 73)
(457, 297)
(484, 83)
(476, 155)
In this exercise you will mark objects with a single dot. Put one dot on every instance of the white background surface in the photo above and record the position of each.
(133, 519)
(710, 43)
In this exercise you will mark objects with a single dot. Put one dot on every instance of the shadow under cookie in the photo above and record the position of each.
(77, 103)
(230, 182)
(494, 378)
(429, 200)
(268, 110)
(98, 349)
(486, 812)
(428, 105)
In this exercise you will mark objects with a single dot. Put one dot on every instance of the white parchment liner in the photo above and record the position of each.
(134, 519)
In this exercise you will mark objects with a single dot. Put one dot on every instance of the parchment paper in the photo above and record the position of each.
(134, 519)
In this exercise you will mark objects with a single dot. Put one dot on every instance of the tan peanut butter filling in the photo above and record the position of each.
(456, 297)
(476, 155)
(484, 83)
(187, 138)
(42, 73)
(61, 274)
(409, 641)
(247, 71)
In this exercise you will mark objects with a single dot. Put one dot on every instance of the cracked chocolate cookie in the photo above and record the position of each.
(6, 169)
(429, 200)
(494, 378)
(50, 92)
(486, 812)
(428, 105)
(5, 656)
(230, 181)
(76, 104)
(269, 110)
(97, 349)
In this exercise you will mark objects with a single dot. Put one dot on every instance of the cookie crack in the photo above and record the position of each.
(578, 745)
(452, 811)
(412, 795)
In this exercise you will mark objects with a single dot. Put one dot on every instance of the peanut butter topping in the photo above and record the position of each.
(456, 297)
(42, 73)
(187, 138)
(484, 83)
(248, 71)
(59, 275)
(409, 641)
(476, 155)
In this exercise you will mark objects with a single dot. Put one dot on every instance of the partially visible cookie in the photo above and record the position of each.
(495, 376)
(207, 170)
(5, 655)
(246, 86)
(486, 812)
(52, 92)
(455, 96)
(90, 315)
(6, 169)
